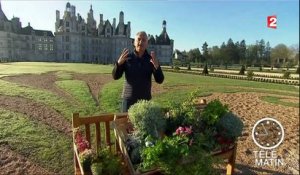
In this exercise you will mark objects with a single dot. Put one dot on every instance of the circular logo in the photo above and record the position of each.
(267, 133)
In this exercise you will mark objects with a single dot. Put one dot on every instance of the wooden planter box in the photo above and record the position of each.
(121, 127)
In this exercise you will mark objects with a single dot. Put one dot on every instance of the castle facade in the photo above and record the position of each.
(75, 39)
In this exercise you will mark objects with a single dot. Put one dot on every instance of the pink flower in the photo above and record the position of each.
(179, 130)
(188, 130)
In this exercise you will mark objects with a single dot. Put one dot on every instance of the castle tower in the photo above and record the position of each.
(100, 26)
(121, 17)
(120, 28)
(164, 26)
(91, 23)
(114, 26)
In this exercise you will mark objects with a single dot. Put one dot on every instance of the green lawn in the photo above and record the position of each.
(52, 150)
(38, 142)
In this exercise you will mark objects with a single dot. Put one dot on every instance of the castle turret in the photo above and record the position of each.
(164, 26)
(73, 11)
(128, 29)
(57, 15)
(100, 26)
(121, 18)
(101, 19)
(114, 25)
(68, 7)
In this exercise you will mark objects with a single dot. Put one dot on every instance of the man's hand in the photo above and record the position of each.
(124, 56)
(153, 60)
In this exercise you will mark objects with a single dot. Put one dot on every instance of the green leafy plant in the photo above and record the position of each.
(178, 154)
(213, 111)
(105, 163)
(97, 168)
(184, 114)
(147, 118)
(230, 126)
(250, 74)
(85, 158)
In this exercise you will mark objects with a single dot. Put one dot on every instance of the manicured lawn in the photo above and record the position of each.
(38, 142)
(52, 150)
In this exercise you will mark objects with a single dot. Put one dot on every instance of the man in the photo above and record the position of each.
(138, 67)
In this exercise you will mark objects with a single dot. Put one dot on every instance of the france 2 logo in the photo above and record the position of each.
(272, 21)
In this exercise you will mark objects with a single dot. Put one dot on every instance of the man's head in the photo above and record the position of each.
(141, 42)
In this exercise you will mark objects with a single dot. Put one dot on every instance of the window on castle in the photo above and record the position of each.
(67, 30)
(67, 56)
(33, 47)
(67, 38)
(45, 39)
(40, 47)
(83, 28)
(51, 47)
(40, 39)
(108, 30)
(45, 46)
(50, 40)
(67, 24)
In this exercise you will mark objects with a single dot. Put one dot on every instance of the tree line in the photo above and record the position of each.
(232, 53)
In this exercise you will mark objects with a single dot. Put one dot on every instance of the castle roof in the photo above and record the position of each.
(163, 38)
(28, 31)
(125, 28)
(2, 15)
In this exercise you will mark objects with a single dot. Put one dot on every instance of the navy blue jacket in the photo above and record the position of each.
(138, 75)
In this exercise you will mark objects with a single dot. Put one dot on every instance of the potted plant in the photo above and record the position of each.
(229, 128)
(147, 119)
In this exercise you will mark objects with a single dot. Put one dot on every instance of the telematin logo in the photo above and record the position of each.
(268, 134)
(272, 21)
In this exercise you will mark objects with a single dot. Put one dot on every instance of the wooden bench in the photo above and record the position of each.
(101, 125)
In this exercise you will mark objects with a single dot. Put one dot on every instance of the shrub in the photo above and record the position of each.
(286, 75)
(230, 126)
(250, 74)
(147, 118)
(205, 70)
(177, 68)
(189, 67)
(242, 71)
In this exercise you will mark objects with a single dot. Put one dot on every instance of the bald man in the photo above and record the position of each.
(138, 66)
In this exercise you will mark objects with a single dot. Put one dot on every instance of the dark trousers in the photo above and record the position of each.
(126, 103)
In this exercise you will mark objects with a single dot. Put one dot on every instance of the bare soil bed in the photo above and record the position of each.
(246, 105)
(250, 108)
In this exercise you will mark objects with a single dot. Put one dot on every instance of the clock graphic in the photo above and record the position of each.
(267, 133)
